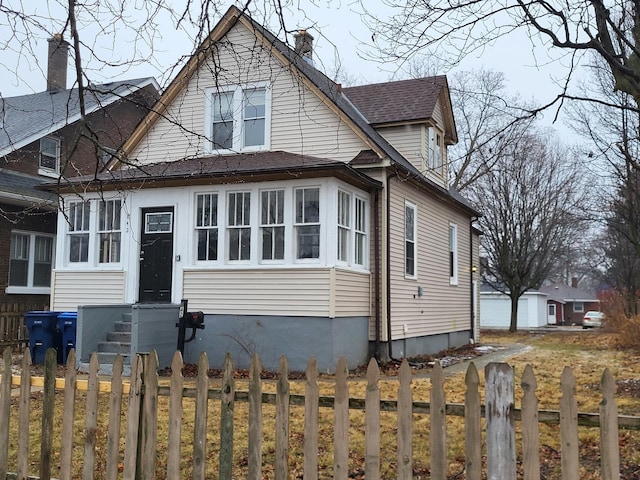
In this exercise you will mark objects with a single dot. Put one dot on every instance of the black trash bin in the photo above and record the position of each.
(43, 334)
(67, 326)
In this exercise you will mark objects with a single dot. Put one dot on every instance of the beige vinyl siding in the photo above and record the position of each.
(408, 140)
(442, 307)
(352, 294)
(293, 292)
(300, 122)
(73, 288)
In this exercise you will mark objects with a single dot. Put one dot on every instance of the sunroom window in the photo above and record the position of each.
(207, 226)
(109, 230)
(307, 223)
(344, 225)
(78, 218)
(239, 225)
(272, 224)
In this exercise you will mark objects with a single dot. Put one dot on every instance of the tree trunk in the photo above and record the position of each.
(513, 326)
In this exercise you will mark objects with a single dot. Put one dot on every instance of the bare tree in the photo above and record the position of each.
(455, 28)
(529, 199)
(489, 122)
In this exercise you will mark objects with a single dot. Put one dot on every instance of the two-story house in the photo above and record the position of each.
(43, 137)
(301, 217)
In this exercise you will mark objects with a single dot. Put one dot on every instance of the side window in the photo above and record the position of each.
(307, 223)
(78, 234)
(207, 226)
(410, 234)
(49, 156)
(239, 225)
(272, 224)
(361, 233)
(109, 230)
(453, 254)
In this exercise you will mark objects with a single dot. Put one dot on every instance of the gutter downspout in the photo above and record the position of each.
(377, 265)
(388, 249)
(473, 304)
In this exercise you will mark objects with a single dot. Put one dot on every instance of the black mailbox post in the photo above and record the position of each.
(192, 320)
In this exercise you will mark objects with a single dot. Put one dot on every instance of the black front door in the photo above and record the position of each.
(156, 255)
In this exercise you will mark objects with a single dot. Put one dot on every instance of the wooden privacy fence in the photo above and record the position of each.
(13, 329)
(132, 445)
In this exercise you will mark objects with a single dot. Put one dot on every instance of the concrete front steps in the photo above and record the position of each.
(117, 342)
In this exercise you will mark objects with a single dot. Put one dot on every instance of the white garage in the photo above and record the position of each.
(495, 309)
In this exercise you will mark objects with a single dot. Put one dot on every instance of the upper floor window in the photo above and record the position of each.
(49, 156)
(238, 118)
(207, 226)
(307, 223)
(272, 224)
(30, 261)
(453, 254)
(410, 229)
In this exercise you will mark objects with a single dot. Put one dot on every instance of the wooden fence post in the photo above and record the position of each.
(282, 420)
(175, 416)
(438, 425)
(341, 423)
(472, 424)
(48, 412)
(5, 411)
(227, 405)
(609, 447)
(372, 422)
(311, 409)
(530, 428)
(200, 421)
(569, 427)
(405, 423)
(254, 471)
(499, 405)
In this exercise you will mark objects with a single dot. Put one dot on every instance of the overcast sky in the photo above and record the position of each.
(340, 38)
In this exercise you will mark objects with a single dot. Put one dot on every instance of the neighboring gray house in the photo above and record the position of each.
(495, 309)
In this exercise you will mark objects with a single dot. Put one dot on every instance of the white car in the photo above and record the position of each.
(592, 319)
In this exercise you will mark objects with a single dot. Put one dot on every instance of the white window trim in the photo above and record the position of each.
(348, 228)
(30, 289)
(287, 207)
(93, 254)
(50, 172)
(220, 230)
(238, 117)
(365, 232)
(328, 228)
(414, 207)
(578, 310)
(453, 250)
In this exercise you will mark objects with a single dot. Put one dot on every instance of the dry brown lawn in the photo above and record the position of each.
(587, 353)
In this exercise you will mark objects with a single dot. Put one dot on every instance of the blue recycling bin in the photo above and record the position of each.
(67, 326)
(43, 334)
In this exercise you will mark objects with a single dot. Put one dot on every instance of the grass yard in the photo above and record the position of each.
(587, 353)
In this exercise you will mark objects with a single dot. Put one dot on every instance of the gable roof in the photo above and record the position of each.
(327, 90)
(27, 118)
(404, 101)
(564, 293)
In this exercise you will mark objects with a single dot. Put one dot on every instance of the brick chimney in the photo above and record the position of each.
(304, 45)
(574, 282)
(57, 63)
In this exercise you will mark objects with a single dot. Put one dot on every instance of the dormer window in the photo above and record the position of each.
(49, 156)
(434, 153)
(238, 118)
